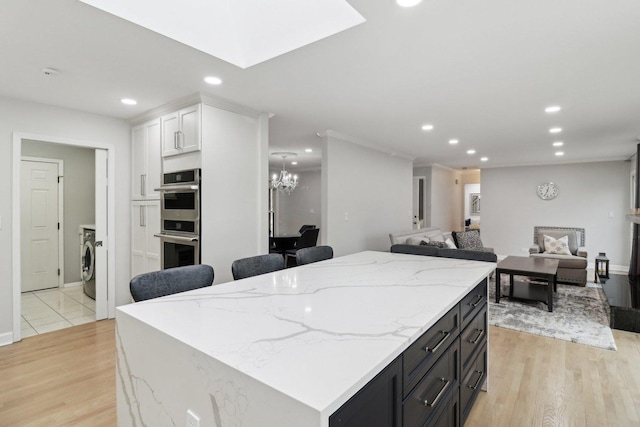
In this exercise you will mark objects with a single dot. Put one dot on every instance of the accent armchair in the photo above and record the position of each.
(572, 264)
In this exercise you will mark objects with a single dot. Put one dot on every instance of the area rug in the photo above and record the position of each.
(580, 315)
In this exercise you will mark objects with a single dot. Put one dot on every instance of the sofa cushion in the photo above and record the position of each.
(573, 235)
(556, 246)
(415, 250)
(450, 244)
(416, 240)
(468, 240)
(565, 261)
(466, 254)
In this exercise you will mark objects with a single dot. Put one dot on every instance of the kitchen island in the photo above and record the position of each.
(290, 348)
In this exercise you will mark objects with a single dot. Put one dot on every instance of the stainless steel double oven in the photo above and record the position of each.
(180, 218)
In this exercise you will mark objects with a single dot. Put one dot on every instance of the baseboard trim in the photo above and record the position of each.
(72, 284)
(6, 339)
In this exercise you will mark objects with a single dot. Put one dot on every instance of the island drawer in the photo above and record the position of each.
(434, 391)
(473, 303)
(423, 353)
(471, 384)
(472, 339)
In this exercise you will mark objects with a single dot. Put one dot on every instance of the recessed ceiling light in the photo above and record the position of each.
(128, 101)
(555, 130)
(558, 144)
(427, 127)
(559, 153)
(472, 151)
(308, 150)
(453, 141)
(294, 163)
(484, 159)
(212, 80)
(408, 3)
(552, 109)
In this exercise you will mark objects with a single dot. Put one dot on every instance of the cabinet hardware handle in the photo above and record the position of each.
(445, 334)
(175, 140)
(439, 395)
(477, 384)
(143, 184)
(480, 335)
(478, 301)
(180, 140)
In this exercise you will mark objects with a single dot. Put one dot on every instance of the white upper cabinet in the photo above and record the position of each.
(181, 131)
(145, 160)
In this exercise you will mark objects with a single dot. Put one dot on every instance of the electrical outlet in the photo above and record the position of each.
(193, 420)
(346, 216)
(611, 214)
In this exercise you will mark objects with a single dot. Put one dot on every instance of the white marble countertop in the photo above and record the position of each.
(319, 332)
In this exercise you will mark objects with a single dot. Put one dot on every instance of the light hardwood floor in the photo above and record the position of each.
(67, 378)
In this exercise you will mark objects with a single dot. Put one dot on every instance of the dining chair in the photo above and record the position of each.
(170, 281)
(255, 265)
(305, 227)
(313, 254)
(308, 239)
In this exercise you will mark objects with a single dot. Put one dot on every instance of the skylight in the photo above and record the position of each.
(242, 32)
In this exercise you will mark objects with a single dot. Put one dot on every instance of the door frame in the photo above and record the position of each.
(15, 214)
(60, 163)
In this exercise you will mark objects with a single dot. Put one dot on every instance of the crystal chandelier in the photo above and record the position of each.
(286, 182)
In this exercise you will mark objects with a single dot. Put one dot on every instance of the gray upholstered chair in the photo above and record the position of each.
(572, 268)
(313, 254)
(170, 281)
(256, 265)
(309, 238)
(306, 227)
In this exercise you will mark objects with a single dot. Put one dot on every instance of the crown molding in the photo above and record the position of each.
(363, 143)
(196, 98)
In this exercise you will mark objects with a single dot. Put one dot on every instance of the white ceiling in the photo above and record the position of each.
(480, 72)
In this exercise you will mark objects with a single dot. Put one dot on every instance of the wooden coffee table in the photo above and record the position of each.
(531, 267)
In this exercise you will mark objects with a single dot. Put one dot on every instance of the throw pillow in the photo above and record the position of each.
(439, 245)
(556, 246)
(469, 240)
(450, 244)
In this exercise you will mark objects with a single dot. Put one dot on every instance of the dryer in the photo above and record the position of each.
(87, 260)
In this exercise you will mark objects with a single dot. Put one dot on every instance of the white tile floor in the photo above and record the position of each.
(53, 309)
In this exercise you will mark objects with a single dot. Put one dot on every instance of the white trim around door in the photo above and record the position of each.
(18, 137)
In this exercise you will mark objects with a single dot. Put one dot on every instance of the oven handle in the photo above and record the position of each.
(176, 188)
(177, 238)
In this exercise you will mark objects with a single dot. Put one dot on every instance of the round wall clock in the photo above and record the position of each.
(547, 191)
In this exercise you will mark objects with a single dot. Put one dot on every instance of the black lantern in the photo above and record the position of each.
(602, 267)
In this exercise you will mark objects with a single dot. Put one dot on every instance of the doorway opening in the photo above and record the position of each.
(35, 229)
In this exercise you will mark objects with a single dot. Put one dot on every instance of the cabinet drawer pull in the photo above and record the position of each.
(478, 301)
(445, 334)
(439, 395)
(143, 185)
(175, 140)
(477, 384)
(480, 335)
(180, 140)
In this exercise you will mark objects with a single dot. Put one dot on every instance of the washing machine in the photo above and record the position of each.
(87, 260)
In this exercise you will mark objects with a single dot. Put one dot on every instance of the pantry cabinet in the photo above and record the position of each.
(145, 247)
(181, 131)
(145, 160)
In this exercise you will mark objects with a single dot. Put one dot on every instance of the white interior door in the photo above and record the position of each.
(39, 225)
(102, 242)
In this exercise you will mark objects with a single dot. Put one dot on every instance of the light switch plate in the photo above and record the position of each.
(193, 420)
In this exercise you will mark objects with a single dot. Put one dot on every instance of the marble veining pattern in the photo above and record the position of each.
(315, 333)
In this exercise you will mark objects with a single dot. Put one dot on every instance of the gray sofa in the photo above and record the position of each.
(572, 268)
(417, 236)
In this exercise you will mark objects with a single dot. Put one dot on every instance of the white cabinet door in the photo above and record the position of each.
(138, 161)
(181, 131)
(145, 160)
(138, 239)
(152, 225)
(190, 129)
(145, 247)
(154, 158)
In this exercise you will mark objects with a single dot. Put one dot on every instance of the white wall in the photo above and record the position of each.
(234, 189)
(33, 118)
(588, 193)
(446, 199)
(79, 195)
(366, 194)
(300, 207)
